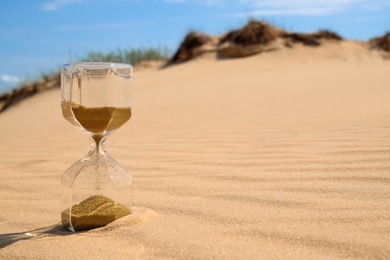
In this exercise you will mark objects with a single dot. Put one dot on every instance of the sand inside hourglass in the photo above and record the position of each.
(97, 210)
(96, 119)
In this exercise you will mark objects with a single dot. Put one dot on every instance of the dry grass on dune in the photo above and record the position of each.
(255, 32)
(27, 90)
(310, 39)
(189, 46)
(382, 42)
(253, 38)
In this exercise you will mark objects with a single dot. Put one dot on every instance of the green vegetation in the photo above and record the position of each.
(51, 78)
(131, 56)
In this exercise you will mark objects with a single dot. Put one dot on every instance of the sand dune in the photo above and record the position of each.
(279, 155)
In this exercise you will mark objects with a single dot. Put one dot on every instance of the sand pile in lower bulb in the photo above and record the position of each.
(96, 211)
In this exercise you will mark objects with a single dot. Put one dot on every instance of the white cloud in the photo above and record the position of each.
(57, 4)
(306, 4)
(291, 7)
(307, 11)
(308, 7)
(9, 79)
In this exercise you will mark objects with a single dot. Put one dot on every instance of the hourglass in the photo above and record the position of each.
(95, 98)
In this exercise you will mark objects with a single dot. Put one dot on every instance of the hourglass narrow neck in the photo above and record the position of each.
(98, 141)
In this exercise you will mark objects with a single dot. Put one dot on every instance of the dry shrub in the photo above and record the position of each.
(382, 42)
(5, 99)
(29, 89)
(189, 47)
(16, 95)
(312, 39)
(326, 35)
(255, 32)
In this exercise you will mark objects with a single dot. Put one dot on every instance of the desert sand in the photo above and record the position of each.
(284, 154)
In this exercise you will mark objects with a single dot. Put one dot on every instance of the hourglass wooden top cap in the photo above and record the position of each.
(98, 69)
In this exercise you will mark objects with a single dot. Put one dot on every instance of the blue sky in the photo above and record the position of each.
(37, 36)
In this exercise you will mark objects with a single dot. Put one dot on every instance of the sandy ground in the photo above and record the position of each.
(280, 155)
